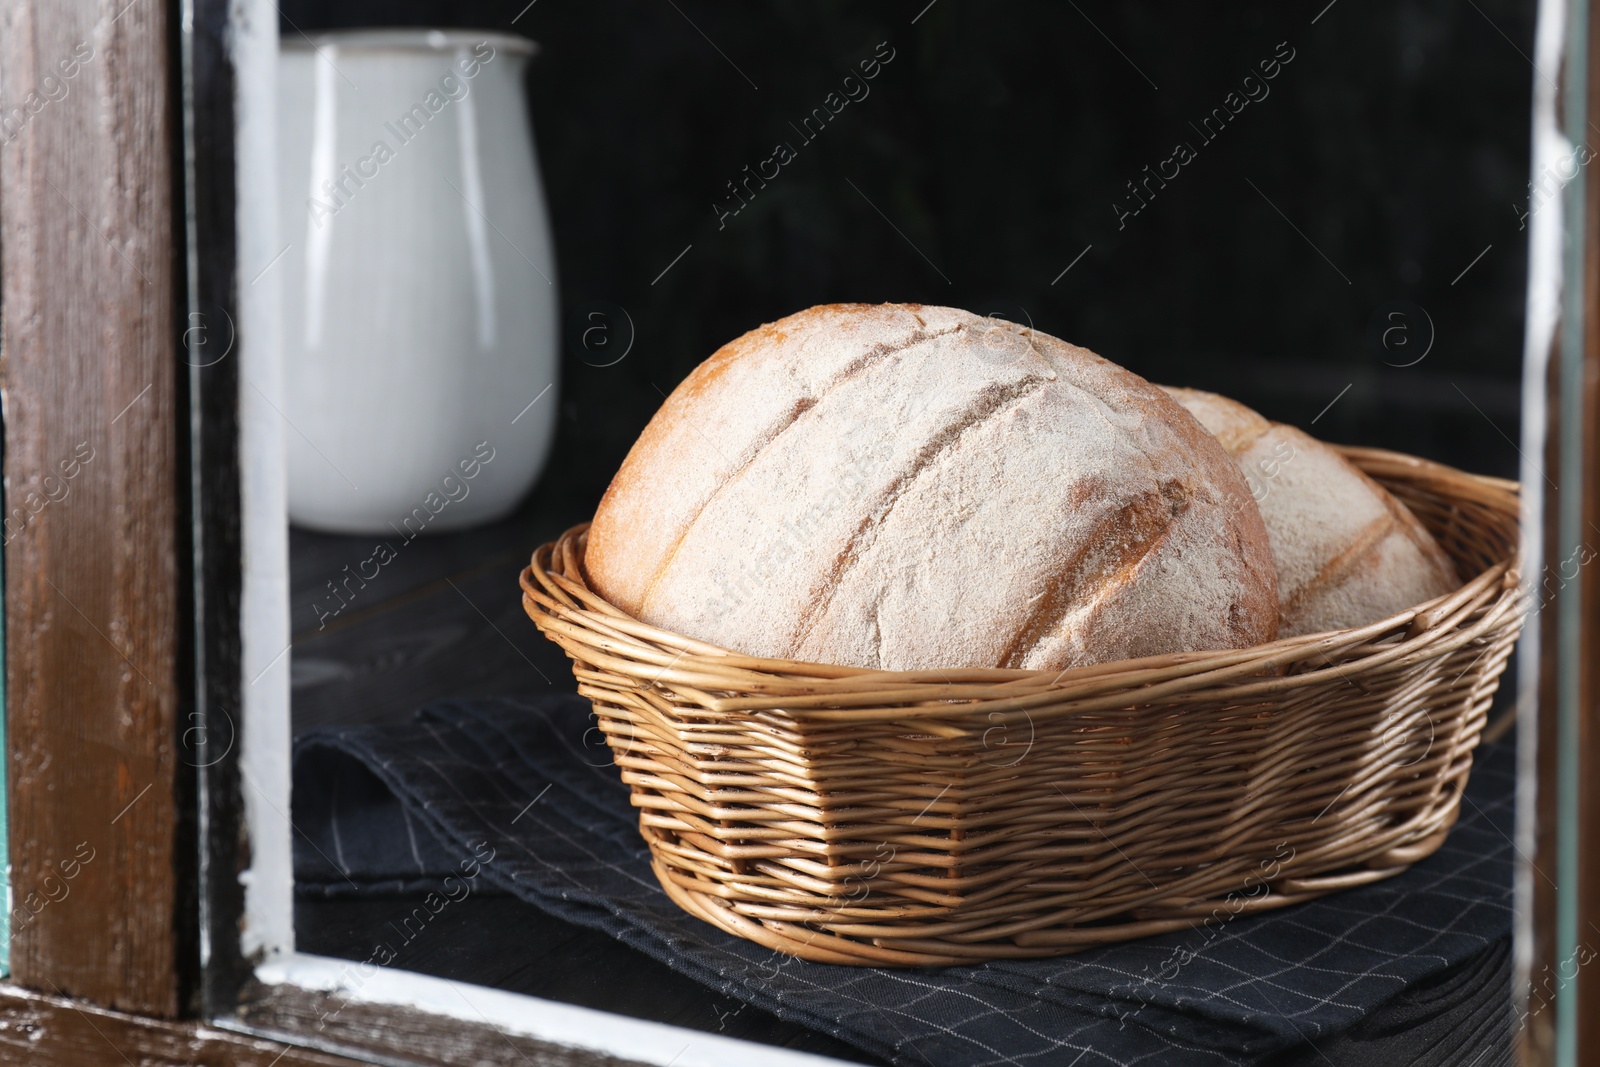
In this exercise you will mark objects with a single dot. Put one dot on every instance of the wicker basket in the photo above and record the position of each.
(939, 817)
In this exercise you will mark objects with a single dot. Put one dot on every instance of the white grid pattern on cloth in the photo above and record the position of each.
(1256, 985)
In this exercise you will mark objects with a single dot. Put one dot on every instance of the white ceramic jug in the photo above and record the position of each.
(419, 299)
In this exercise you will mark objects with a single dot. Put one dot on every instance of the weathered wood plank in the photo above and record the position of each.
(1558, 993)
(505, 943)
(209, 740)
(406, 1035)
(1567, 963)
(49, 1031)
(94, 590)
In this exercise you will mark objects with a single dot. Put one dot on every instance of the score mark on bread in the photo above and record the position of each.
(867, 485)
(1347, 552)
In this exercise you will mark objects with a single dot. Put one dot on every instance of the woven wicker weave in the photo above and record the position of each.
(938, 817)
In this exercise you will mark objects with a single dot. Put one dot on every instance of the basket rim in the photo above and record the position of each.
(557, 602)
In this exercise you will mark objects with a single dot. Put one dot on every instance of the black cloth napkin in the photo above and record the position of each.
(522, 796)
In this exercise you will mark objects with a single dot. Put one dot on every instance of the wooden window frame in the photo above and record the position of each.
(138, 605)
(1556, 997)
(145, 608)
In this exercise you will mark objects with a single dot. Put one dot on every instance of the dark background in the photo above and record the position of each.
(988, 156)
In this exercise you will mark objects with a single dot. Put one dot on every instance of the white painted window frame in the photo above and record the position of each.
(267, 932)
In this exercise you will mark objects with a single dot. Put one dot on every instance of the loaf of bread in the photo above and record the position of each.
(1348, 553)
(907, 487)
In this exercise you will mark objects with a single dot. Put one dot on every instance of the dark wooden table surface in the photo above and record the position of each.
(444, 619)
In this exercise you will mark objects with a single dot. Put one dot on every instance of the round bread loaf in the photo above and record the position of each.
(1348, 553)
(906, 488)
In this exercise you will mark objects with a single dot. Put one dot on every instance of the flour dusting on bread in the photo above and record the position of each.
(909, 487)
